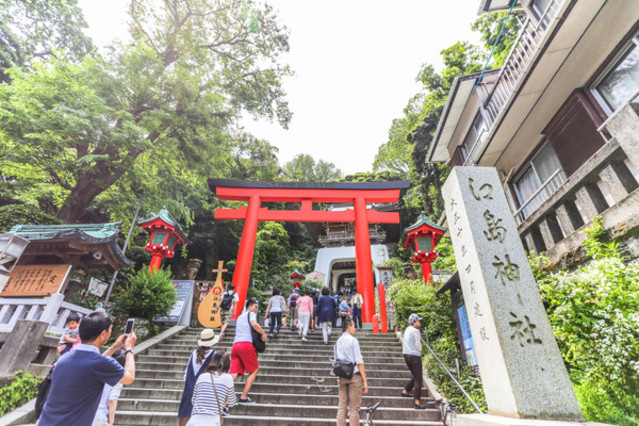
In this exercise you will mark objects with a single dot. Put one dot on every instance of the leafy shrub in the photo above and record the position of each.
(412, 296)
(147, 295)
(21, 388)
(594, 312)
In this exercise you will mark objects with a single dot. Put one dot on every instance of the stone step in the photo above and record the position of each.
(181, 360)
(284, 336)
(279, 410)
(126, 418)
(300, 351)
(275, 397)
(267, 384)
(292, 345)
(277, 378)
(141, 372)
(144, 364)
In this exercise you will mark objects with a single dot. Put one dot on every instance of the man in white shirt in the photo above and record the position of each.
(412, 350)
(243, 353)
(350, 390)
(356, 304)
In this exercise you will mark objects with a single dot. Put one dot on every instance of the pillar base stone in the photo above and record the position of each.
(493, 420)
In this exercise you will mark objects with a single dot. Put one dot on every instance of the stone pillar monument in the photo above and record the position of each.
(522, 371)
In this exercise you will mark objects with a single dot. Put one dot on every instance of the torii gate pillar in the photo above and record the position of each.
(359, 194)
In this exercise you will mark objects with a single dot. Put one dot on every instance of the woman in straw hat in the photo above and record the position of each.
(198, 362)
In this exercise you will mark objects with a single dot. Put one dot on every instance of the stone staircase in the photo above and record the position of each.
(293, 387)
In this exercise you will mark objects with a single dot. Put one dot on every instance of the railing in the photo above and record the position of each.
(544, 192)
(53, 311)
(471, 157)
(441, 364)
(350, 236)
(527, 43)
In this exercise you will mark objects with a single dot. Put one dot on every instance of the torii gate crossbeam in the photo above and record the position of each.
(306, 193)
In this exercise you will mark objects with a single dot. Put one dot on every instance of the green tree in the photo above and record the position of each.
(157, 114)
(36, 29)
(304, 168)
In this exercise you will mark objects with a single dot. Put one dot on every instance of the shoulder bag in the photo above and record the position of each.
(219, 408)
(342, 368)
(260, 345)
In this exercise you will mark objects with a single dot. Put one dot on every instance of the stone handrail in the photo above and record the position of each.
(53, 311)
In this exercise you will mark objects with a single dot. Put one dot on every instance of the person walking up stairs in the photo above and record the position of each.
(295, 385)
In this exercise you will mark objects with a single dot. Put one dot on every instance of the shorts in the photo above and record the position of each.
(225, 314)
(243, 358)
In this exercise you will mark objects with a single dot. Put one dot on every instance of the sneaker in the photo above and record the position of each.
(247, 401)
(304, 339)
(225, 412)
(299, 331)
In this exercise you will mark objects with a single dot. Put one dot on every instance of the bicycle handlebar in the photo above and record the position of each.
(373, 407)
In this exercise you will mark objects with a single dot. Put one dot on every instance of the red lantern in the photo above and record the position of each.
(165, 235)
(297, 278)
(421, 238)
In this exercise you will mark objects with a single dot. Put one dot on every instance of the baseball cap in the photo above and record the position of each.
(413, 318)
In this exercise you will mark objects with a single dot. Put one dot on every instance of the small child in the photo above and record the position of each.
(71, 334)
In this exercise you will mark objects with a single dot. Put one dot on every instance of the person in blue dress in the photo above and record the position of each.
(326, 313)
(198, 363)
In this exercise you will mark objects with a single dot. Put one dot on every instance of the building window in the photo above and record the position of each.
(622, 80)
(475, 139)
(540, 179)
(540, 6)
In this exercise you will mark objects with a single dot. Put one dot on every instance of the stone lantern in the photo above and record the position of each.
(165, 234)
(297, 278)
(421, 238)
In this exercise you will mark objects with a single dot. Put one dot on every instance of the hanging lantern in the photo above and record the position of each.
(164, 235)
(421, 238)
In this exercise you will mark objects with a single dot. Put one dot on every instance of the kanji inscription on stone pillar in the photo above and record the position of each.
(522, 371)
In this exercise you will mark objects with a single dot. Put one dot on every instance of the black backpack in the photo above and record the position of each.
(227, 300)
(294, 298)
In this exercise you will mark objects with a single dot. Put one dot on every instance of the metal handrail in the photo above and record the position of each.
(450, 375)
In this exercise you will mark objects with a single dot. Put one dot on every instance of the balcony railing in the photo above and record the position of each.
(544, 192)
(530, 37)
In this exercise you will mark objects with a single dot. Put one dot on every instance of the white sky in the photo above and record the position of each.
(355, 66)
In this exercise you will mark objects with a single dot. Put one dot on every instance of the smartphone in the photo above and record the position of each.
(129, 325)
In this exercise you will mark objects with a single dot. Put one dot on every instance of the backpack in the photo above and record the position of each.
(227, 300)
(43, 392)
(294, 298)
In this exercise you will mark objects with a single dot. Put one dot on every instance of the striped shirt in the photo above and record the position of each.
(204, 401)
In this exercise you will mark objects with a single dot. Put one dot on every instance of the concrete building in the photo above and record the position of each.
(559, 121)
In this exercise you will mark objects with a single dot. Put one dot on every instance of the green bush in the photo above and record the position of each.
(147, 295)
(438, 321)
(594, 312)
(21, 388)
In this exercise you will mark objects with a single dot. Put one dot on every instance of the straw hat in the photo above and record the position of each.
(208, 338)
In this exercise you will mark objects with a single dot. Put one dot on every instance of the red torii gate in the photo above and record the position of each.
(357, 193)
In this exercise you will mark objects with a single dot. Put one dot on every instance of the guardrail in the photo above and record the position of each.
(53, 311)
(441, 364)
(544, 192)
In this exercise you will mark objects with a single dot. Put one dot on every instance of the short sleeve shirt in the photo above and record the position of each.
(74, 334)
(347, 349)
(278, 304)
(243, 327)
(77, 383)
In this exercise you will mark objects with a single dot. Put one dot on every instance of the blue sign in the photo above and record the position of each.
(467, 338)
(184, 297)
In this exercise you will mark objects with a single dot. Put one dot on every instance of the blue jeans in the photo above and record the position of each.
(357, 317)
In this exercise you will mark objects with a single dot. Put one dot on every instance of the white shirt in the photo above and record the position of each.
(109, 393)
(347, 349)
(412, 343)
(357, 300)
(243, 328)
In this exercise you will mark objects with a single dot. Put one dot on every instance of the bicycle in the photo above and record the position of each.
(368, 420)
(447, 408)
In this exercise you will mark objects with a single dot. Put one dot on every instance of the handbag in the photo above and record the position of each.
(260, 345)
(219, 408)
(342, 368)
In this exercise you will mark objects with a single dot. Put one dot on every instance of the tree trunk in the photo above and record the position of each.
(88, 186)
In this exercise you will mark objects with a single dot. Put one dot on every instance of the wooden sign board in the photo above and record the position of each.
(208, 313)
(37, 280)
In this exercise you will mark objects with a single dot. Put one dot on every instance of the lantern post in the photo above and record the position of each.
(297, 278)
(165, 233)
(421, 238)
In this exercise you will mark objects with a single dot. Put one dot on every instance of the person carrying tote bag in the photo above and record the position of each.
(214, 393)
